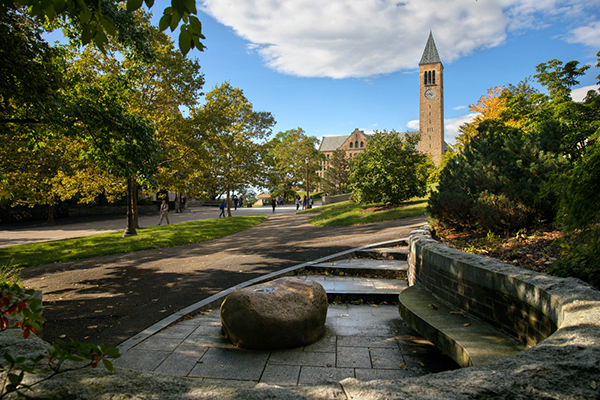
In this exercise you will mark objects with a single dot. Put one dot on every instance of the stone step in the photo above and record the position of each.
(384, 253)
(467, 340)
(348, 288)
(389, 269)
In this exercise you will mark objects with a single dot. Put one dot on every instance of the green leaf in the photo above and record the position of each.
(164, 22)
(133, 5)
(178, 5)
(108, 25)
(195, 25)
(108, 365)
(185, 41)
(60, 6)
(190, 6)
(176, 17)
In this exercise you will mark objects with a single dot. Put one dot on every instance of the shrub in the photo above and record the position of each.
(496, 183)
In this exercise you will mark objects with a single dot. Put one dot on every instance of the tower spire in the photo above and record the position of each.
(430, 54)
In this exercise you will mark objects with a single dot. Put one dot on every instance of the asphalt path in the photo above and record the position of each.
(111, 298)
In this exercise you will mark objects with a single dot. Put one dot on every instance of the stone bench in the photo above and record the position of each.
(284, 313)
(465, 339)
(507, 308)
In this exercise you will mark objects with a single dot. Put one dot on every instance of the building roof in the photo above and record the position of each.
(332, 143)
(430, 54)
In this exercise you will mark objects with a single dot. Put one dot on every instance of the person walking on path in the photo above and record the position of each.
(297, 202)
(310, 202)
(274, 203)
(222, 207)
(164, 212)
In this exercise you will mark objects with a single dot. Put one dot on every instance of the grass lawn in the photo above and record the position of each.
(348, 213)
(156, 237)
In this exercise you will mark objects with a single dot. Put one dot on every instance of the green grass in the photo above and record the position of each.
(348, 213)
(29, 255)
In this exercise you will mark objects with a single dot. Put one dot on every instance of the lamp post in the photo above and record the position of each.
(228, 209)
(307, 187)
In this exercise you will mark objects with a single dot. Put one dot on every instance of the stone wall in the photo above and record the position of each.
(499, 294)
(335, 199)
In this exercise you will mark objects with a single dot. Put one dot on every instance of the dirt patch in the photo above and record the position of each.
(535, 249)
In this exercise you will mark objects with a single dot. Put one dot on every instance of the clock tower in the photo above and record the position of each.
(431, 102)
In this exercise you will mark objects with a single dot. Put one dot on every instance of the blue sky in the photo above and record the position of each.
(330, 67)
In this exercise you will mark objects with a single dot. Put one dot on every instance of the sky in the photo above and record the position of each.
(331, 66)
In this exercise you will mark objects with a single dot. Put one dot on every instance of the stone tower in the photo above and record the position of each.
(431, 102)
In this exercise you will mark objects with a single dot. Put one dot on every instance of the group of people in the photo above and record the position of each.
(303, 202)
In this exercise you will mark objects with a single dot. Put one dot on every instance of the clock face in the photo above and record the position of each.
(429, 93)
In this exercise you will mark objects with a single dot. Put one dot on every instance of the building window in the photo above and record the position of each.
(425, 78)
(362, 144)
(328, 156)
(434, 77)
(351, 144)
(356, 144)
(429, 78)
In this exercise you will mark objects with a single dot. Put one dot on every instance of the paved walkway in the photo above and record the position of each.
(365, 342)
(109, 299)
(14, 234)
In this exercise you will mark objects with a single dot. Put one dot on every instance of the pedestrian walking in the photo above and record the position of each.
(274, 203)
(297, 202)
(235, 203)
(310, 202)
(222, 207)
(164, 212)
(304, 203)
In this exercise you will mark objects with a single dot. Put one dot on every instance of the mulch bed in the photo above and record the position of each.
(535, 249)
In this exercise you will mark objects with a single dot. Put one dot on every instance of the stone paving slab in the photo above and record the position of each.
(361, 341)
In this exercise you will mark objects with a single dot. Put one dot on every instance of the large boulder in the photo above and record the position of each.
(284, 313)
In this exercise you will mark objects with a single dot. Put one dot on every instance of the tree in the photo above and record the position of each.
(233, 136)
(286, 161)
(336, 176)
(390, 170)
(94, 21)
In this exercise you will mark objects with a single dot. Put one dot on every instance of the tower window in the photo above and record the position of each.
(425, 78)
(429, 78)
(434, 77)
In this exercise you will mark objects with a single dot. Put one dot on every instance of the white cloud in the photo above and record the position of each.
(588, 35)
(361, 38)
(460, 108)
(413, 125)
(451, 126)
(579, 94)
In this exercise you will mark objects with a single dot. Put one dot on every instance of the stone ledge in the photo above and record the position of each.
(465, 339)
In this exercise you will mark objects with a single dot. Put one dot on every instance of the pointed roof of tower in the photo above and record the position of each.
(430, 54)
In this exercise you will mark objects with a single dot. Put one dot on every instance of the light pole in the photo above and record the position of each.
(228, 209)
(307, 187)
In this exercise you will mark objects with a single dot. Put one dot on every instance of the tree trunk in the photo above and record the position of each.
(50, 220)
(134, 192)
(130, 230)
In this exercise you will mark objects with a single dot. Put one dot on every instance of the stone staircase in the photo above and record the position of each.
(374, 275)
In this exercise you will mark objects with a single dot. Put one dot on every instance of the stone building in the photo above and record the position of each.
(431, 114)
(352, 144)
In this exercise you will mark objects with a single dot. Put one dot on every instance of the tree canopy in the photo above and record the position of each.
(390, 170)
